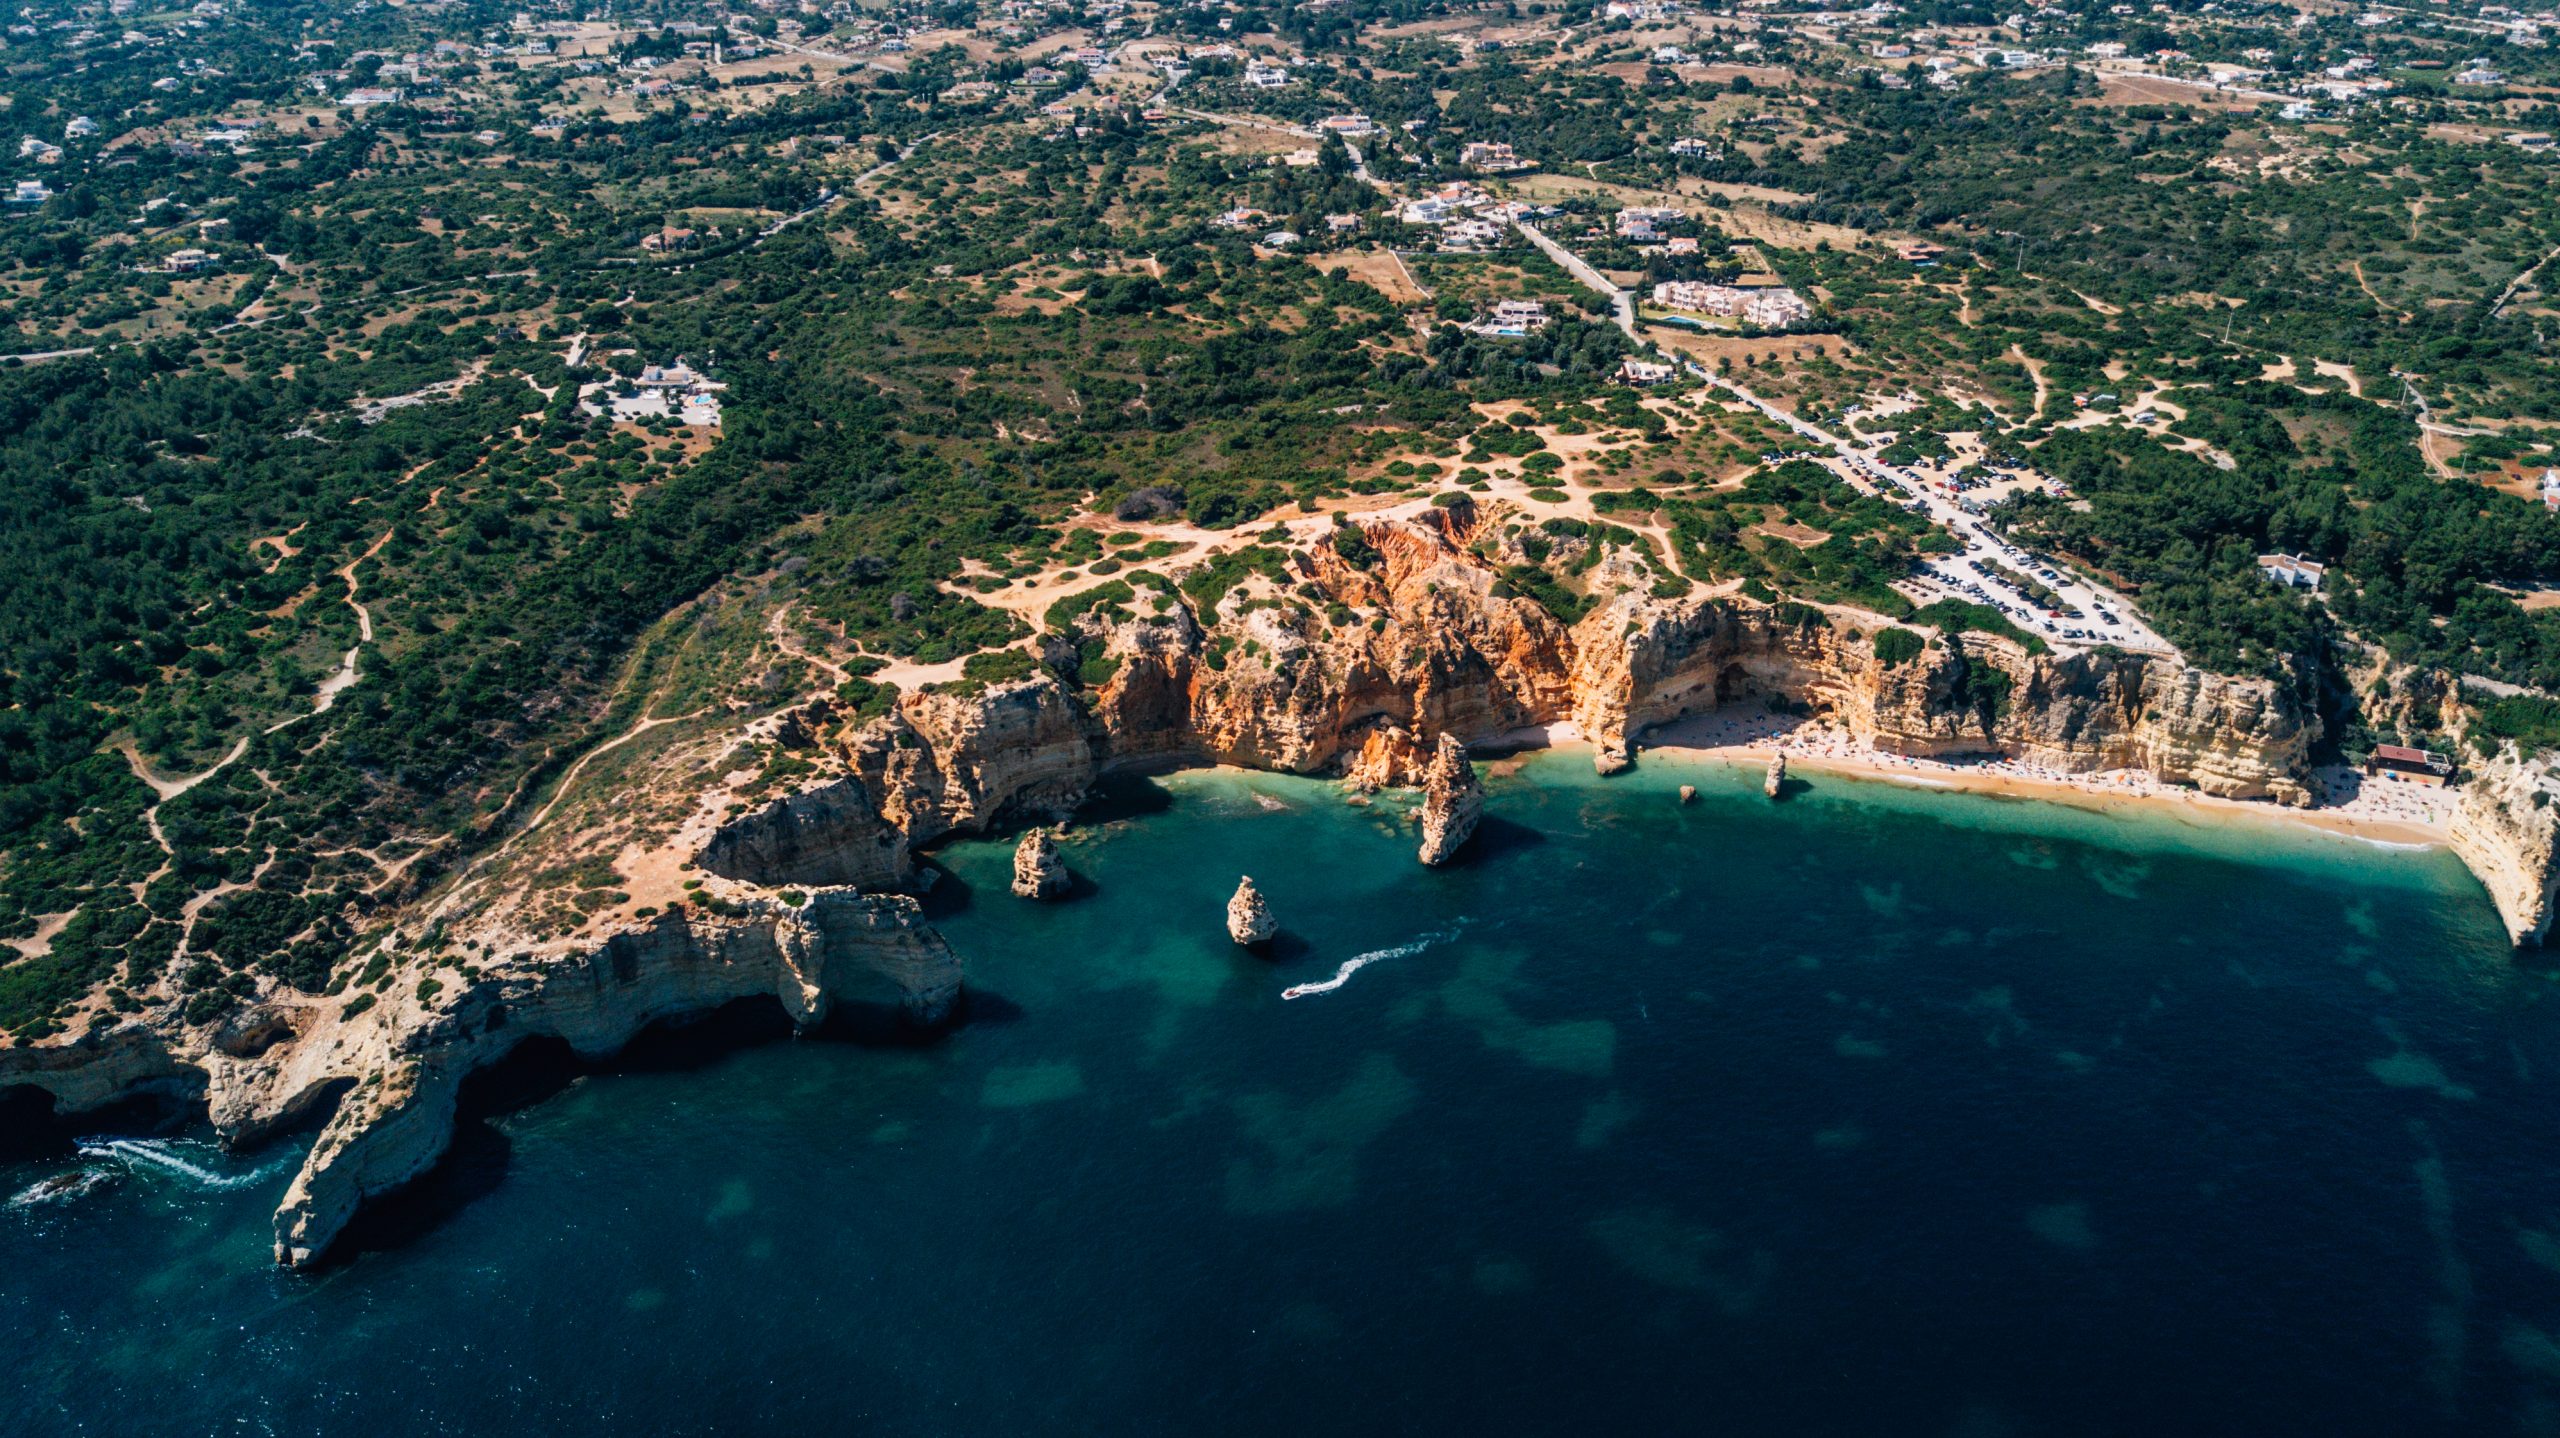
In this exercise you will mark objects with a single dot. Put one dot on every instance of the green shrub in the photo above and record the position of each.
(999, 666)
(1897, 647)
(1353, 545)
(1108, 598)
(867, 698)
(2533, 723)
(1955, 616)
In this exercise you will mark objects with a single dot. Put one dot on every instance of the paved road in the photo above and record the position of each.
(827, 200)
(1622, 303)
(2508, 294)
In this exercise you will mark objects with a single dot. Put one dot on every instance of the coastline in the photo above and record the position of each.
(2393, 816)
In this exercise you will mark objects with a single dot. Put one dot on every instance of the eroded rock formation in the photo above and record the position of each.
(1452, 801)
(2506, 827)
(1249, 919)
(1434, 648)
(1038, 872)
(837, 947)
(395, 1061)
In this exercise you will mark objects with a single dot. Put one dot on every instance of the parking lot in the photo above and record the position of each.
(2064, 607)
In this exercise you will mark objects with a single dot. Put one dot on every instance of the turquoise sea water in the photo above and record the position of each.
(1871, 1111)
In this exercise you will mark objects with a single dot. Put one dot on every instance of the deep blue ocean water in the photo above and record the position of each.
(1875, 1110)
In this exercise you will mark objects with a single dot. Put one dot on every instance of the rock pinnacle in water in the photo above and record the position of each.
(1038, 872)
(1249, 919)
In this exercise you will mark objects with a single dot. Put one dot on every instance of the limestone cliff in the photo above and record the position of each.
(2506, 827)
(394, 1061)
(1643, 661)
(679, 883)
(835, 833)
(1364, 669)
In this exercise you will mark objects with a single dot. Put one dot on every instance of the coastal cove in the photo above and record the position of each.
(1879, 1107)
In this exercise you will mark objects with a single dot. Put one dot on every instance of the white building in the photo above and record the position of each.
(1772, 308)
(1512, 319)
(2292, 571)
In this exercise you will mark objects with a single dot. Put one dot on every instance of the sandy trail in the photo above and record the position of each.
(2336, 371)
(2035, 371)
(569, 777)
(325, 695)
(166, 790)
(778, 629)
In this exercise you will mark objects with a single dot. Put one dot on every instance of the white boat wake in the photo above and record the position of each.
(1355, 964)
(61, 1188)
(154, 1155)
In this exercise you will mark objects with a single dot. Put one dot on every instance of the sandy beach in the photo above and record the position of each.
(2348, 803)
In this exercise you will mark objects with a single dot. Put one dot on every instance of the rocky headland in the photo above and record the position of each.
(769, 853)
(2506, 829)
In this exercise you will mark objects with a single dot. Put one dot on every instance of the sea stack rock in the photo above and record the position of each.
(1688, 793)
(1249, 919)
(1777, 779)
(1038, 872)
(1452, 801)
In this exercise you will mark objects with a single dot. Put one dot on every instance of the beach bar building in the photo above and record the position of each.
(2417, 766)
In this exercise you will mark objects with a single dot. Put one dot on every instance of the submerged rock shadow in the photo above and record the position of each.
(1494, 837)
(1123, 796)
(943, 892)
(1281, 948)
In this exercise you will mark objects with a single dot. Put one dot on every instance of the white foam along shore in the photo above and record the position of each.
(154, 1154)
